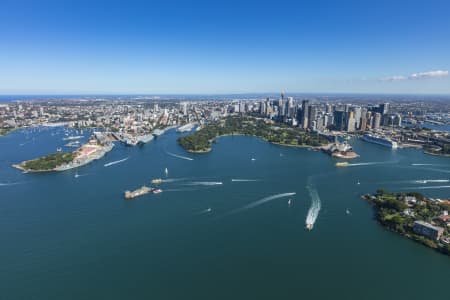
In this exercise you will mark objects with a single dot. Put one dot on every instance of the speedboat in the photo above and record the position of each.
(156, 191)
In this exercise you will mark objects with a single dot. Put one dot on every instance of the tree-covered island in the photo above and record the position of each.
(277, 133)
(46, 163)
(414, 216)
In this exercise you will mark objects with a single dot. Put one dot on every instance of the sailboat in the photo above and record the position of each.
(166, 172)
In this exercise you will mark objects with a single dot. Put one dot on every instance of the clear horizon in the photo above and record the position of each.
(204, 48)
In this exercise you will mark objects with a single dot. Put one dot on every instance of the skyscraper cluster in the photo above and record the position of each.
(323, 116)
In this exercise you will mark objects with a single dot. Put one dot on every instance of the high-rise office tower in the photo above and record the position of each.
(384, 108)
(339, 120)
(357, 116)
(312, 114)
(351, 121)
(305, 113)
(376, 121)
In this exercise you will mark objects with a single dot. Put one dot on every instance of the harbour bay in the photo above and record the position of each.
(69, 238)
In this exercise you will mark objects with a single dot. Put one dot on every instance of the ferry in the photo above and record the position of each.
(157, 181)
(342, 164)
(376, 139)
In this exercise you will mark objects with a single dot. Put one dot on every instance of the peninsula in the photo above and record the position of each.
(276, 133)
(414, 216)
(95, 148)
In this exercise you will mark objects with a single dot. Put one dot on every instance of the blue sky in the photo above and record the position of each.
(159, 47)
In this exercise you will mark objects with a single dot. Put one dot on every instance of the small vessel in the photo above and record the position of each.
(347, 211)
(76, 175)
(289, 202)
(166, 172)
(342, 164)
(358, 183)
(58, 149)
(71, 138)
(208, 209)
(157, 181)
(309, 226)
(156, 191)
(253, 159)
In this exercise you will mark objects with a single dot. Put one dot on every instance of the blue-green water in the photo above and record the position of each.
(63, 237)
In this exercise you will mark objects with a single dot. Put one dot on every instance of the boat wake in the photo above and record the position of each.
(10, 183)
(205, 211)
(424, 164)
(244, 180)
(367, 164)
(79, 175)
(181, 190)
(173, 180)
(427, 187)
(258, 203)
(179, 156)
(206, 183)
(314, 209)
(116, 162)
(425, 181)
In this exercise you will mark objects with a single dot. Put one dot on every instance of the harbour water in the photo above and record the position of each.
(230, 224)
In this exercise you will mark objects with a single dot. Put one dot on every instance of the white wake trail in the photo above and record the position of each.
(259, 202)
(425, 181)
(116, 162)
(173, 180)
(179, 156)
(205, 211)
(206, 183)
(314, 209)
(10, 183)
(427, 187)
(244, 180)
(367, 163)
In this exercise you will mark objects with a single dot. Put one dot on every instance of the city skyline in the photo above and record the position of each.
(109, 47)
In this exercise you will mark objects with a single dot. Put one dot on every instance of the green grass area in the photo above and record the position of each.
(201, 140)
(48, 162)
